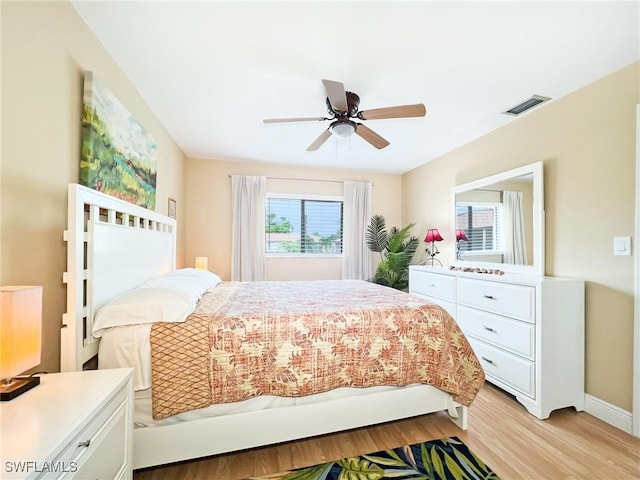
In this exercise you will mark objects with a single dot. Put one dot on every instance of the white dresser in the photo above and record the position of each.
(75, 425)
(527, 331)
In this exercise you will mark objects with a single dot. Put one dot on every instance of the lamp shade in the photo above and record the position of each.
(433, 235)
(461, 235)
(342, 128)
(20, 329)
(202, 263)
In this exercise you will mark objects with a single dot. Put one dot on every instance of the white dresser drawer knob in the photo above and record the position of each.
(489, 329)
(488, 360)
(490, 297)
(84, 444)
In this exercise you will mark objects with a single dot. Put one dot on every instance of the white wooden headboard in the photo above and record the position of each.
(112, 247)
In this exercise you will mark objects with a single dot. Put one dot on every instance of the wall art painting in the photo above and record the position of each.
(118, 155)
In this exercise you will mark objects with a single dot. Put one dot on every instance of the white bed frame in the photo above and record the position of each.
(113, 246)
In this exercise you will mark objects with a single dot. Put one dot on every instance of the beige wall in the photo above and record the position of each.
(209, 215)
(45, 49)
(587, 143)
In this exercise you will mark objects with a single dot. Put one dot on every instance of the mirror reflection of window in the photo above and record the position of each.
(481, 222)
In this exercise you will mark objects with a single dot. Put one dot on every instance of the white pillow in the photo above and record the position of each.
(171, 297)
(190, 287)
(205, 275)
(143, 305)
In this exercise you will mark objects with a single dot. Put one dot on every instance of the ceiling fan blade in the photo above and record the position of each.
(370, 136)
(336, 94)
(401, 111)
(317, 143)
(300, 119)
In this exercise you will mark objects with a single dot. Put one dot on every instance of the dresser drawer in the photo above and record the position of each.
(516, 301)
(513, 371)
(99, 450)
(513, 335)
(432, 284)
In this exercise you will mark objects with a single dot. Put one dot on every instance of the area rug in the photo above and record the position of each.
(448, 458)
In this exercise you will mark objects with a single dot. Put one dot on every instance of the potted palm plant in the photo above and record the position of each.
(396, 248)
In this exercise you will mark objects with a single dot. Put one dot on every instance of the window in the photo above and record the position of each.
(302, 226)
(481, 222)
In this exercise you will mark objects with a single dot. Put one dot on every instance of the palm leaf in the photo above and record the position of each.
(436, 463)
(391, 461)
(397, 263)
(376, 237)
(357, 468)
(426, 461)
(455, 469)
(411, 246)
(383, 275)
(412, 474)
(474, 471)
(397, 238)
(408, 454)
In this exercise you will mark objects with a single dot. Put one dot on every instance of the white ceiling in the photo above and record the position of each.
(212, 71)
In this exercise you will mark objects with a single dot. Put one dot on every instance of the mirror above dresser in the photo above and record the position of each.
(500, 221)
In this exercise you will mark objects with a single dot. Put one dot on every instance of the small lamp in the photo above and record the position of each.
(460, 237)
(202, 263)
(20, 339)
(433, 236)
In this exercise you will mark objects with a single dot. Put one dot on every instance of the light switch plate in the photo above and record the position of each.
(622, 245)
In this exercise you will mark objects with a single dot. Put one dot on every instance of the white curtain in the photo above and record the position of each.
(247, 251)
(515, 250)
(356, 216)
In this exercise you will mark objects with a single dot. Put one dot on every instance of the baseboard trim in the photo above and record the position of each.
(608, 413)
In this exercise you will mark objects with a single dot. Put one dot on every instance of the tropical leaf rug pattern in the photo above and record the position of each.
(448, 458)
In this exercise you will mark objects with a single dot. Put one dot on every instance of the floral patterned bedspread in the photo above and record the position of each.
(305, 337)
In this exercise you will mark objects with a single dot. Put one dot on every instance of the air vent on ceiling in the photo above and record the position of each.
(534, 101)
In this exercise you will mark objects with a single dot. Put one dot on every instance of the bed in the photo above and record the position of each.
(116, 249)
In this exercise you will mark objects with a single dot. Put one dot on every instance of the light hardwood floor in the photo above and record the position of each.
(569, 445)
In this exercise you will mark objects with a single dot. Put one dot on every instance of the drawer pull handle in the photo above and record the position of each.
(84, 444)
(488, 360)
(489, 329)
(432, 285)
(490, 297)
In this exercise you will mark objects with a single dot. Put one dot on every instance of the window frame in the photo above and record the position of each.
(309, 197)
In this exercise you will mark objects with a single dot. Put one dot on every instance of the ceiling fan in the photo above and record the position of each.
(343, 108)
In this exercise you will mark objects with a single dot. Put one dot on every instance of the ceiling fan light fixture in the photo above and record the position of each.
(343, 108)
(342, 128)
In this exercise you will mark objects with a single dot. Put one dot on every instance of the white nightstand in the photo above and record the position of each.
(73, 425)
